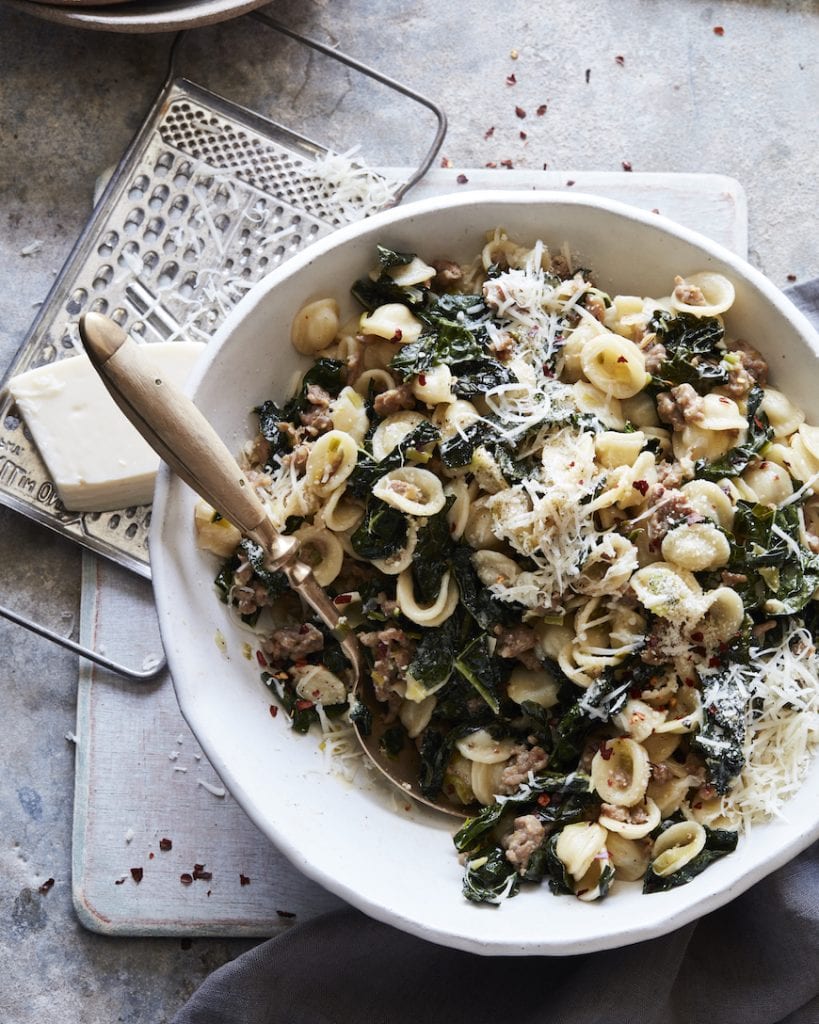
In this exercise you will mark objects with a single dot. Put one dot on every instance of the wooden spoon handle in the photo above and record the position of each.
(179, 433)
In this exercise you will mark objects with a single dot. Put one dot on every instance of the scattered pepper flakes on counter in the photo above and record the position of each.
(119, 881)
(719, 30)
(462, 179)
(165, 845)
(511, 79)
(545, 167)
(655, 210)
(285, 913)
(520, 112)
(541, 110)
(588, 75)
(791, 277)
(151, 855)
(523, 135)
(490, 163)
(47, 885)
(570, 182)
(489, 132)
(620, 59)
(626, 165)
(273, 711)
(185, 878)
(507, 163)
(445, 161)
(200, 874)
(136, 874)
(243, 879)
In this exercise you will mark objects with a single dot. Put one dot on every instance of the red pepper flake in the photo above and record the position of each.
(635, 693)
(697, 637)
(261, 659)
(47, 885)
(520, 112)
(511, 79)
(588, 75)
(541, 110)
(641, 486)
(570, 182)
(544, 799)
(545, 167)
(136, 874)
(626, 165)
(523, 135)
(422, 379)
(303, 705)
(343, 599)
(119, 881)
(605, 750)
(581, 892)
(399, 334)
(489, 132)
(622, 359)
(185, 878)
(620, 59)
(719, 30)
(273, 711)
(714, 663)
(791, 277)
(490, 163)
(689, 681)
(200, 874)
(165, 845)
(507, 163)
(285, 913)
(445, 161)
(462, 179)
(243, 879)
(151, 855)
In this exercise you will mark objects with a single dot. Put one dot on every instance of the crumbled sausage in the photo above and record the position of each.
(630, 815)
(503, 347)
(291, 643)
(517, 642)
(393, 651)
(527, 836)
(655, 356)
(596, 307)
(669, 508)
(670, 474)
(680, 406)
(447, 274)
(689, 294)
(751, 360)
(394, 399)
(523, 761)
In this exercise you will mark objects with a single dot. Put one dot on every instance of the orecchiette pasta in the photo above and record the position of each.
(577, 584)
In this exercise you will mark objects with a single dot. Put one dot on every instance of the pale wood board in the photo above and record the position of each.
(132, 743)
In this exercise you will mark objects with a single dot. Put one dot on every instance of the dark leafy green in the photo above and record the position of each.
(481, 669)
(720, 737)
(693, 353)
(718, 843)
(767, 550)
(489, 877)
(737, 459)
(412, 449)
(382, 533)
(474, 377)
(443, 341)
(329, 374)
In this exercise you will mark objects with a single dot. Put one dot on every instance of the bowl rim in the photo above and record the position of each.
(167, 488)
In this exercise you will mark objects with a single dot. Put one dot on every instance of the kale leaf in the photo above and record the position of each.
(718, 843)
(481, 669)
(432, 662)
(474, 377)
(781, 575)
(736, 460)
(443, 341)
(430, 559)
(487, 610)
(720, 737)
(411, 448)
(693, 353)
(489, 877)
(382, 533)
(329, 374)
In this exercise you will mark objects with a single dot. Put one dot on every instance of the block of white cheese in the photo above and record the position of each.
(96, 458)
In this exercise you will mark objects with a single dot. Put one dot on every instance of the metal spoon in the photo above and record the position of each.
(182, 436)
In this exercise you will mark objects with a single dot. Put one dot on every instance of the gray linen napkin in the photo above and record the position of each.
(754, 961)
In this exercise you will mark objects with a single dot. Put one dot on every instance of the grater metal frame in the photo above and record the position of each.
(189, 139)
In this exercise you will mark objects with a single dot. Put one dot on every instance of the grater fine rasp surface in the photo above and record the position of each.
(209, 199)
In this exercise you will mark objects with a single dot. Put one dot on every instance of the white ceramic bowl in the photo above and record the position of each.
(398, 864)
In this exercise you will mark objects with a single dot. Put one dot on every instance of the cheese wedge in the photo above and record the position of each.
(96, 459)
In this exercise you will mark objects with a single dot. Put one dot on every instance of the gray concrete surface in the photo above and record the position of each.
(683, 98)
